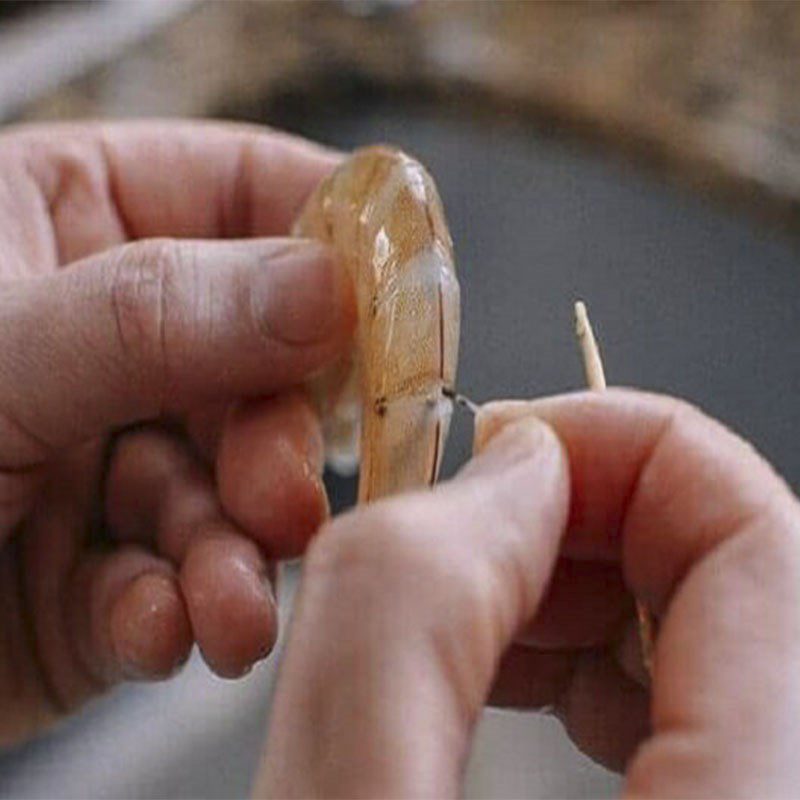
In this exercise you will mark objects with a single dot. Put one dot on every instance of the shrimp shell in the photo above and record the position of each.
(381, 213)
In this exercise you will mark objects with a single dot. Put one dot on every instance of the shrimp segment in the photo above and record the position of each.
(381, 213)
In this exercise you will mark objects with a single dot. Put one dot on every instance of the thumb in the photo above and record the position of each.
(157, 325)
(404, 610)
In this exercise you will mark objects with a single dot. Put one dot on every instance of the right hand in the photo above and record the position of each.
(511, 584)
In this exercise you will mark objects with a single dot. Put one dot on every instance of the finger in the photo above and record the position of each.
(595, 508)
(47, 551)
(127, 616)
(653, 480)
(161, 325)
(404, 612)
(105, 183)
(708, 534)
(158, 493)
(605, 713)
(226, 583)
(585, 605)
(92, 618)
(269, 470)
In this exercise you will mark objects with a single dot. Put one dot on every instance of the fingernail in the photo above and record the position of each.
(303, 296)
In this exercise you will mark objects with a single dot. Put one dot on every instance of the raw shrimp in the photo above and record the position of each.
(386, 401)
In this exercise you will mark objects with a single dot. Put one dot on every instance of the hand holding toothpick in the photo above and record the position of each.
(596, 379)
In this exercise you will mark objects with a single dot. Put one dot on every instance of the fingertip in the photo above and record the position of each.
(605, 713)
(230, 602)
(150, 632)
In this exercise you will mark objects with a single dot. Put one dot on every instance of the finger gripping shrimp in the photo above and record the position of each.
(382, 215)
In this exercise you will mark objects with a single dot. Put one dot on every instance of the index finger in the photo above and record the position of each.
(655, 481)
(710, 536)
(173, 178)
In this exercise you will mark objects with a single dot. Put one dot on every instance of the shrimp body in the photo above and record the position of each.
(382, 215)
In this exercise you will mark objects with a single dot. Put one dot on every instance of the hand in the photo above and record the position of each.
(509, 584)
(122, 546)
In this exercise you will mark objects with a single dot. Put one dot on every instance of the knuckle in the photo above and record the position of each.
(143, 276)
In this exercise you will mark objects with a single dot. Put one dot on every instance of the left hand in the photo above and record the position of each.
(143, 487)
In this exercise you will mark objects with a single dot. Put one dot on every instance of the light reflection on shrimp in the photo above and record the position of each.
(381, 213)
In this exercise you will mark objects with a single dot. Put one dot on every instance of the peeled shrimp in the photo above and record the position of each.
(386, 402)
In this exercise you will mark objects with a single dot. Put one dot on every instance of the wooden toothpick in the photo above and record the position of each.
(593, 366)
(596, 379)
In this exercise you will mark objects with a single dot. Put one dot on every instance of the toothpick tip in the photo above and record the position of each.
(593, 364)
(581, 318)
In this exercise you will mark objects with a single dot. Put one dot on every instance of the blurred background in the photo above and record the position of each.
(642, 156)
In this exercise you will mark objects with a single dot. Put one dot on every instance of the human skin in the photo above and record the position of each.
(144, 280)
(509, 585)
(133, 292)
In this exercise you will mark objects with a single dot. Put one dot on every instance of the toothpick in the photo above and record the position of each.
(596, 379)
(593, 366)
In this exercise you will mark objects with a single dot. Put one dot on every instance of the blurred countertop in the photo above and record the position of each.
(704, 93)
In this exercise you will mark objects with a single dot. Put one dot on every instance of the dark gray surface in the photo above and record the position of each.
(686, 298)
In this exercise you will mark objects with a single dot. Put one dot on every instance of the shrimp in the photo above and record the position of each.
(387, 402)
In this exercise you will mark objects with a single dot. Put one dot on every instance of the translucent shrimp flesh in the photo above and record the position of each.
(386, 402)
